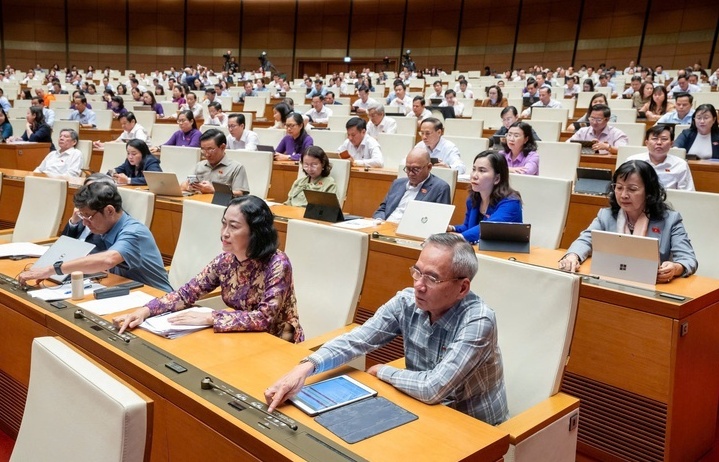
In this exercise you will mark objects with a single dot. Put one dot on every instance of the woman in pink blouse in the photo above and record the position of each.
(255, 278)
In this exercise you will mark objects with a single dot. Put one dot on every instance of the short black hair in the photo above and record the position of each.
(239, 118)
(263, 235)
(655, 203)
(214, 134)
(356, 122)
(96, 196)
(658, 129)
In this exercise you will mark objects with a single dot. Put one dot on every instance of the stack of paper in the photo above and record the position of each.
(105, 306)
(63, 292)
(22, 249)
(161, 325)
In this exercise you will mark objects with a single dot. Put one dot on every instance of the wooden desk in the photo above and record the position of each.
(94, 134)
(23, 156)
(186, 426)
(13, 188)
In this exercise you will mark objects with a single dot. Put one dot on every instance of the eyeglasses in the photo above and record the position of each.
(656, 139)
(87, 218)
(208, 150)
(413, 170)
(429, 280)
(631, 189)
(427, 133)
(232, 126)
(597, 120)
(514, 135)
(291, 125)
(311, 166)
(182, 121)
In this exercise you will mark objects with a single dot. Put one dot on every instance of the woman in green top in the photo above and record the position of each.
(317, 177)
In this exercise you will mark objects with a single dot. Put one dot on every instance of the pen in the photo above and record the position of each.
(86, 286)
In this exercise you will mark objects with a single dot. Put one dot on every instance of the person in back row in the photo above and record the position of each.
(66, 160)
(217, 167)
(451, 349)
(673, 171)
(419, 185)
(131, 250)
(606, 138)
(131, 130)
(379, 122)
(240, 137)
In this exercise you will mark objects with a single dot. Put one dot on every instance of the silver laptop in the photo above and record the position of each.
(625, 257)
(64, 249)
(422, 219)
(165, 184)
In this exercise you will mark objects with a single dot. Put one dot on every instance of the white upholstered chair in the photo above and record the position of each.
(71, 397)
(43, 203)
(634, 131)
(161, 133)
(535, 335)
(334, 305)
(471, 128)
(139, 204)
(469, 147)
(545, 202)
(329, 140)
(179, 160)
(449, 175)
(558, 160)
(258, 166)
(395, 148)
(113, 155)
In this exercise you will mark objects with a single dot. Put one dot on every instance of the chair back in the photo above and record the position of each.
(85, 147)
(271, 136)
(198, 242)
(179, 160)
(147, 119)
(258, 166)
(43, 203)
(161, 133)
(113, 155)
(395, 148)
(329, 140)
(469, 147)
(559, 115)
(548, 130)
(624, 152)
(449, 175)
(103, 119)
(341, 174)
(406, 125)
(545, 202)
(71, 395)
(471, 128)
(255, 104)
(338, 122)
(139, 204)
(492, 116)
(558, 160)
(333, 306)
(701, 225)
(534, 331)
(635, 132)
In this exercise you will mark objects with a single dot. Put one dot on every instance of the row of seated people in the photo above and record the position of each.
(256, 283)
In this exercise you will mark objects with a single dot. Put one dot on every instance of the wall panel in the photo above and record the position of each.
(268, 26)
(213, 28)
(156, 34)
(487, 34)
(96, 31)
(546, 33)
(431, 32)
(322, 29)
(34, 35)
(377, 28)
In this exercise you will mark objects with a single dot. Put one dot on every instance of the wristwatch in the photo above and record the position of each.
(58, 267)
(307, 359)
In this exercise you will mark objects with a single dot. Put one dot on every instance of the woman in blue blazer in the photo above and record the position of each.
(138, 161)
(704, 127)
(637, 205)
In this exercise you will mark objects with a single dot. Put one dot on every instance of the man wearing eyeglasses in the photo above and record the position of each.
(606, 138)
(216, 167)
(130, 248)
(450, 339)
(419, 185)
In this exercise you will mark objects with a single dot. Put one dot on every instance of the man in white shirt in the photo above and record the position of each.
(438, 93)
(364, 101)
(339, 86)
(239, 137)
(605, 83)
(191, 105)
(402, 100)
(634, 85)
(379, 122)
(673, 171)
(364, 150)
(319, 113)
(683, 86)
(438, 147)
(66, 160)
(217, 117)
(464, 90)
(419, 111)
(714, 78)
(450, 100)
(130, 130)
(545, 101)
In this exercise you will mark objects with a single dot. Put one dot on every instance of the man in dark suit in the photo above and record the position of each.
(419, 185)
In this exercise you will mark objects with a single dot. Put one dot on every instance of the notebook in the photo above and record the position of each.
(500, 236)
(165, 184)
(324, 206)
(625, 257)
(64, 249)
(422, 219)
(594, 181)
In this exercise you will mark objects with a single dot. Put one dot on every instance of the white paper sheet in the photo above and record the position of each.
(63, 292)
(22, 248)
(359, 223)
(161, 325)
(114, 304)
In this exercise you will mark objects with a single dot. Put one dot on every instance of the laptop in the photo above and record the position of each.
(422, 219)
(436, 101)
(265, 147)
(500, 236)
(165, 184)
(625, 257)
(594, 181)
(324, 206)
(223, 194)
(586, 146)
(64, 249)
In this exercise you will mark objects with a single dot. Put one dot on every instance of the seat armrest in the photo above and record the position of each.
(315, 343)
(540, 416)
(7, 232)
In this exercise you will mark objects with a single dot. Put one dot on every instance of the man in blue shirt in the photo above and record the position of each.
(131, 250)
(682, 113)
(82, 114)
(450, 339)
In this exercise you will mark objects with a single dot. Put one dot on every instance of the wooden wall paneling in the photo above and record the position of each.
(611, 32)
(34, 34)
(431, 32)
(546, 33)
(487, 35)
(377, 29)
(208, 39)
(96, 32)
(322, 34)
(268, 26)
(156, 34)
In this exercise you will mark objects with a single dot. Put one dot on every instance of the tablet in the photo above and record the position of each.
(330, 394)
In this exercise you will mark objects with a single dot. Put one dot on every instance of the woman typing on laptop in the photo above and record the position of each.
(490, 196)
(316, 167)
(637, 206)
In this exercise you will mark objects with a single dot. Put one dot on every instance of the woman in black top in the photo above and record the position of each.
(139, 159)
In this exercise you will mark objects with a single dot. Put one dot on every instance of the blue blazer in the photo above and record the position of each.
(508, 210)
(674, 242)
(150, 164)
(687, 137)
(433, 190)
